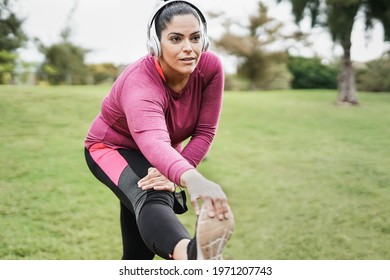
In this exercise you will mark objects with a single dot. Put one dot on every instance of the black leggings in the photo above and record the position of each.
(148, 223)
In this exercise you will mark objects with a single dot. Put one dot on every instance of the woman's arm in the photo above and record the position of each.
(211, 193)
(144, 106)
(198, 146)
(148, 128)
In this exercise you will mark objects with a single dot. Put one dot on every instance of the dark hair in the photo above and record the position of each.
(165, 16)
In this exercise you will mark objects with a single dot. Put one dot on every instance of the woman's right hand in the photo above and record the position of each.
(211, 193)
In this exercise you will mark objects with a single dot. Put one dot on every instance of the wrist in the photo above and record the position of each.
(189, 175)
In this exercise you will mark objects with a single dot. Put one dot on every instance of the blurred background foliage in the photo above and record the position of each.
(261, 63)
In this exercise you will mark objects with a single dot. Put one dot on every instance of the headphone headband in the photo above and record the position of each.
(153, 43)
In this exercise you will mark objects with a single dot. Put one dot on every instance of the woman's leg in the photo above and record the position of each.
(148, 222)
(134, 247)
(159, 226)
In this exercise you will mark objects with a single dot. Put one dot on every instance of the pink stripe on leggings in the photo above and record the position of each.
(109, 160)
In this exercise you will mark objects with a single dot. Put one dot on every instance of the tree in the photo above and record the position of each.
(262, 67)
(64, 61)
(64, 64)
(12, 38)
(340, 17)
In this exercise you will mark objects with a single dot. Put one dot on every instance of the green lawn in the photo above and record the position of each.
(306, 179)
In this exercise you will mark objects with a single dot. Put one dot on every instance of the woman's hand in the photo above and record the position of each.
(211, 193)
(155, 180)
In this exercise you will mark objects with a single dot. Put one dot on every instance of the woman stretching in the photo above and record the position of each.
(134, 145)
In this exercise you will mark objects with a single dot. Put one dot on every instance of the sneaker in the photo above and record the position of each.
(211, 236)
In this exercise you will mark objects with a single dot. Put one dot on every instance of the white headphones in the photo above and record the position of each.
(153, 43)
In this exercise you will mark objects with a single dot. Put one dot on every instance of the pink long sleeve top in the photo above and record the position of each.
(141, 112)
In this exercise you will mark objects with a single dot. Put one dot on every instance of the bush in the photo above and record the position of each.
(277, 77)
(374, 75)
(311, 73)
(7, 66)
(234, 82)
(103, 73)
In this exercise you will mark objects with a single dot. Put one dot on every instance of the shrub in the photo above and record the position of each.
(311, 73)
(374, 75)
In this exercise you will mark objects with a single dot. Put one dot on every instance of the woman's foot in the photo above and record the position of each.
(211, 237)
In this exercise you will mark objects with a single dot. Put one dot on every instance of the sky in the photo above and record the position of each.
(115, 30)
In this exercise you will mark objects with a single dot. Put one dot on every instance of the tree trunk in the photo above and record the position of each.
(347, 88)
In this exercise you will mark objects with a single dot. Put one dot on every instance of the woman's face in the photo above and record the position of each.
(181, 45)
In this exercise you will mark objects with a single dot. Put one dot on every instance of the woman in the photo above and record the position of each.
(134, 144)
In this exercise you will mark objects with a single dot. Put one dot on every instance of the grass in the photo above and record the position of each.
(305, 179)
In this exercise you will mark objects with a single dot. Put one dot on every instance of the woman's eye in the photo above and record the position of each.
(196, 38)
(175, 39)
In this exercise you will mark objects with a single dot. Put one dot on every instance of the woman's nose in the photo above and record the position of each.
(187, 46)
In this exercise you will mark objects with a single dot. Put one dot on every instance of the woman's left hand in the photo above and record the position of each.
(155, 180)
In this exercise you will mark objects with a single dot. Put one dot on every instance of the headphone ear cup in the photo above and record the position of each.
(153, 43)
(149, 47)
(206, 43)
(154, 46)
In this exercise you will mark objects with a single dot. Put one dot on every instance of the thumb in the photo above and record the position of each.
(195, 205)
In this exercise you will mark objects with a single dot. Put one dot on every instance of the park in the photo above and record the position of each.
(306, 179)
(303, 160)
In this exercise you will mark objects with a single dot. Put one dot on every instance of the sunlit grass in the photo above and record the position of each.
(306, 179)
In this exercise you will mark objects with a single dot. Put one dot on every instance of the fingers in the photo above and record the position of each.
(220, 208)
(152, 172)
(210, 208)
(151, 183)
(229, 214)
(162, 185)
(165, 188)
(195, 205)
(214, 200)
(215, 208)
(155, 180)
